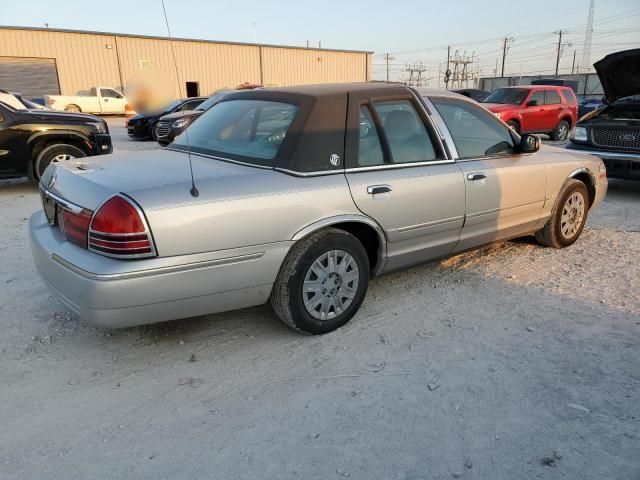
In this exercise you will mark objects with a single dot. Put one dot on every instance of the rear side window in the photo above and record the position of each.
(475, 132)
(406, 134)
(247, 130)
(553, 97)
(569, 97)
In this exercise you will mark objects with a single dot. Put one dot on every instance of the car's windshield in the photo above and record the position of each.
(209, 102)
(511, 96)
(246, 130)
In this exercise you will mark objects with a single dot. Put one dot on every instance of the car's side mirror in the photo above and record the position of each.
(532, 103)
(529, 143)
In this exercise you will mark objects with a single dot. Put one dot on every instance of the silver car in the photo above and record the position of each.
(299, 196)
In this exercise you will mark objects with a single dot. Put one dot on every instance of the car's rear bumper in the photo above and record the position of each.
(121, 293)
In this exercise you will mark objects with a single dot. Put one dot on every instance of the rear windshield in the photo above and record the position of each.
(247, 130)
(511, 96)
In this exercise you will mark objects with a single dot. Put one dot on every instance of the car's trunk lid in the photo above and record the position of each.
(88, 182)
(619, 74)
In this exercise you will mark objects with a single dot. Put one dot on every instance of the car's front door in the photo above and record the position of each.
(505, 191)
(399, 176)
(533, 115)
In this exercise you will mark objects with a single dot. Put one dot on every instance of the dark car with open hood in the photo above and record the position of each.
(612, 132)
(32, 139)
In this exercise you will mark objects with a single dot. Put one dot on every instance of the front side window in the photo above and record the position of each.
(507, 96)
(370, 151)
(408, 138)
(246, 130)
(553, 98)
(191, 105)
(475, 132)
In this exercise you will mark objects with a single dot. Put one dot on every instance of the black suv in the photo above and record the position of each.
(31, 139)
(612, 132)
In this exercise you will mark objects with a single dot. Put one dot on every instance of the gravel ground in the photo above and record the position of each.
(509, 362)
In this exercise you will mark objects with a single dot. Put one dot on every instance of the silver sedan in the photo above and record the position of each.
(298, 196)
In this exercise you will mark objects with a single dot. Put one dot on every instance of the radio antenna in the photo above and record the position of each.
(194, 191)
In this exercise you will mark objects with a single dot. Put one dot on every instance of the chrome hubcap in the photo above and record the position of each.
(572, 215)
(330, 284)
(63, 157)
(562, 132)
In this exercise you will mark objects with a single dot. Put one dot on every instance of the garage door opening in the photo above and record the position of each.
(32, 77)
(193, 89)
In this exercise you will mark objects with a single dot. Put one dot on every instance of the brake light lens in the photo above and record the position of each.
(75, 226)
(118, 229)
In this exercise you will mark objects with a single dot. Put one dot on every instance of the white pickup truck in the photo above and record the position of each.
(100, 100)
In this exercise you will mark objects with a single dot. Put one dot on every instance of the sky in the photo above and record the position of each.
(415, 32)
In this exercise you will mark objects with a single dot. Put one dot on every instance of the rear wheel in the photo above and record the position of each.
(55, 153)
(567, 218)
(72, 108)
(322, 282)
(561, 132)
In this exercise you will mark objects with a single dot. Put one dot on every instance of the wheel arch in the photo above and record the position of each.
(365, 229)
(587, 177)
(41, 140)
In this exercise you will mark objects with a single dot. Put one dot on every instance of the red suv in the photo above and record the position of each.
(535, 109)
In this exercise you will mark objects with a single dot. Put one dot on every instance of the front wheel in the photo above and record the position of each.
(513, 125)
(55, 153)
(568, 217)
(322, 282)
(561, 132)
(154, 131)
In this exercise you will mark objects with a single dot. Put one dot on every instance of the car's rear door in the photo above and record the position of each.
(399, 175)
(533, 115)
(552, 108)
(505, 191)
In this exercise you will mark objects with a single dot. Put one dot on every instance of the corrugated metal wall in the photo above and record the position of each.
(87, 59)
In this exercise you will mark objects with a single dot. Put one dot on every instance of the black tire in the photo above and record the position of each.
(561, 132)
(551, 235)
(72, 108)
(513, 125)
(287, 297)
(154, 133)
(49, 154)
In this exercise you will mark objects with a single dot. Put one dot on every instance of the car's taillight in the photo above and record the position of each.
(75, 226)
(118, 229)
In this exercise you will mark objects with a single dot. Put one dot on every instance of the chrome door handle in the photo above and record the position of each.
(374, 189)
(475, 176)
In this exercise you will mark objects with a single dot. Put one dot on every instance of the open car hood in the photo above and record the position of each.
(619, 74)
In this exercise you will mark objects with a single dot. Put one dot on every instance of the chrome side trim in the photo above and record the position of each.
(65, 203)
(397, 165)
(429, 224)
(496, 210)
(222, 159)
(584, 170)
(317, 173)
(327, 222)
(155, 271)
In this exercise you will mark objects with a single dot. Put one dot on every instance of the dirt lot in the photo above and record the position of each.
(511, 362)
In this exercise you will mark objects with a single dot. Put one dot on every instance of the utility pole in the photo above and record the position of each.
(585, 62)
(387, 57)
(559, 50)
(573, 65)
(505, 48)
